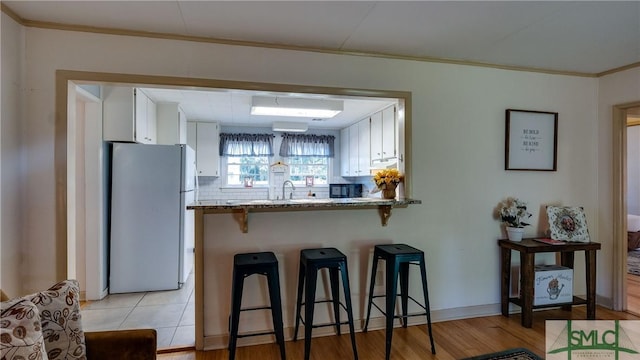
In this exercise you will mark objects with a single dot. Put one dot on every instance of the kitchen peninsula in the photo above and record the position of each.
(284, 227)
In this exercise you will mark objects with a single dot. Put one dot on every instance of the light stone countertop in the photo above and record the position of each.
(299, 204)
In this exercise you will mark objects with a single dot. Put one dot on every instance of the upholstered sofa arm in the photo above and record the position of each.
(139, 344)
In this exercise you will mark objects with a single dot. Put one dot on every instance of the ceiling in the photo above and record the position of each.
(232, 107)
(581, 37)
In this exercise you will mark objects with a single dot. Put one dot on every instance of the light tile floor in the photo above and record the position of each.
(171, 313)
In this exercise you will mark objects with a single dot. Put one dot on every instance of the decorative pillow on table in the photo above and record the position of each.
(59, 308)
(568, 223)
(20, 331)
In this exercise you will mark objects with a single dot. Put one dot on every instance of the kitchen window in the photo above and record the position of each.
(255, 168)
(247, 158)
(308, 156)
(314, 166)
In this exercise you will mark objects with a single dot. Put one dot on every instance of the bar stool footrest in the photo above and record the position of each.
(256, 308)
(399, 316)
(256, 334)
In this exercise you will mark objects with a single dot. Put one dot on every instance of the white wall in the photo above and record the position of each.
(633, 170)
(11, 161)
(458, 149)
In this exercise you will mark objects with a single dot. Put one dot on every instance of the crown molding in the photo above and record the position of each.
(618, 69)
(12, 14)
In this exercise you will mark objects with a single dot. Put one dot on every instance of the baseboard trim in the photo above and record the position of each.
(214, 342)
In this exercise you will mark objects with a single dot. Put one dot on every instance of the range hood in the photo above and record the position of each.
(389, 163)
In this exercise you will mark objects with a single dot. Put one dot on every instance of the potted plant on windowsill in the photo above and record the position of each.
(513, 213)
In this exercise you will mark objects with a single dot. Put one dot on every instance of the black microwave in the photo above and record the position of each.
(345, 190)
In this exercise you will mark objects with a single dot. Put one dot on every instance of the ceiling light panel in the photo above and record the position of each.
(296, 107)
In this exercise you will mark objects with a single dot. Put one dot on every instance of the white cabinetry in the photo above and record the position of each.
(191, 135)
(152, 121)
(376, 136)
(204, 137)
(389, 132)
(368, 141)
(355, 149)
(344, 152)
(128, 115)
(172, 124)
(364, 148)
(383, 135)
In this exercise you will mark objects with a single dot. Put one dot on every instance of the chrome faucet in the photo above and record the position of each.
(292, 188)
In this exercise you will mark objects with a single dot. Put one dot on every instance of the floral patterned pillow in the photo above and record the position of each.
(568, 223)
(20, 331)
(59, 308)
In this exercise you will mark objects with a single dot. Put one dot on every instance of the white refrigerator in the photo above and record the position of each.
(152, 234)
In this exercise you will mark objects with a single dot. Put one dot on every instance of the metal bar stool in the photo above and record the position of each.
(244, 265)
(312, 260)
(398, 257)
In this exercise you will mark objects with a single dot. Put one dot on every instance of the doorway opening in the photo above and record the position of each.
(625, 286)
(633, 209)
(96, 251)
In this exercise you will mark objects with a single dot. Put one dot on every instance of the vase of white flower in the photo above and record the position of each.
(513, 213)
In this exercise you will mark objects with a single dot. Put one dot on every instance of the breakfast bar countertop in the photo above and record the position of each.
(298, 204)
(302, 204)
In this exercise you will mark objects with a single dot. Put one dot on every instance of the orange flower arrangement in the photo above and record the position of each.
(387, 179)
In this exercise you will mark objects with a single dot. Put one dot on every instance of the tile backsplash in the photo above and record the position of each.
(212, 188)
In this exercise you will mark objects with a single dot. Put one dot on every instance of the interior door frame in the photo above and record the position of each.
(619, 195)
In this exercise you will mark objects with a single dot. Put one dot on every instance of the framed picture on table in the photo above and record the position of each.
(531, 141)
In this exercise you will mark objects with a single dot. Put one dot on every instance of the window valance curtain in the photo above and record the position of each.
(307, 145)
(246, 144)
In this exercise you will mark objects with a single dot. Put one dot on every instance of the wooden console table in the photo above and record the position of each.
(528, 248)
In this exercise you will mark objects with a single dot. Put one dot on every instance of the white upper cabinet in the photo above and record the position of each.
(364, 147)
(383, 134)
(353, 150)
(152, 121)
(191, 135)
(128, 115)
(172, 124)
(376, 136)
(389, 133)
(344, 152)
(355, 142)
(140, 118)
(368, 142)
(206, 145)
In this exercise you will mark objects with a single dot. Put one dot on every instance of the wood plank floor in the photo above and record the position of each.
(454, 340)
(633, 293)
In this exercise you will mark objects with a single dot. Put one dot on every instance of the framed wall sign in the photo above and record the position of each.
(531, 140)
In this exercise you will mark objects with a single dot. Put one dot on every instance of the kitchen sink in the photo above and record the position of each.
(366, 199)
(310, 201)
